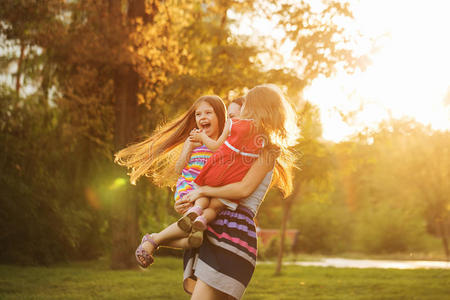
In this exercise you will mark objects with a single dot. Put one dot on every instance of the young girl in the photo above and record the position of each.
(238, 147)
(153, 157)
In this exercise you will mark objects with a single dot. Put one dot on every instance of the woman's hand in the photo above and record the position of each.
(182, 205)
(193, 195)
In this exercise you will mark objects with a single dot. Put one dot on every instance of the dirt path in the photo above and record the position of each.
(384, 264)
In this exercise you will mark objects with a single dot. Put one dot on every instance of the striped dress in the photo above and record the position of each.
(226, 260)
(185, 182)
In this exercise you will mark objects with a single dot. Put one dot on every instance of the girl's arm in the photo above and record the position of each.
(185, 155)
(212, 144)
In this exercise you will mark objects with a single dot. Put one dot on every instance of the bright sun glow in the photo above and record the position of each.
(409, 75)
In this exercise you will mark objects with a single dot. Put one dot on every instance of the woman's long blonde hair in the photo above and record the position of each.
(276, 126)
(156, 156)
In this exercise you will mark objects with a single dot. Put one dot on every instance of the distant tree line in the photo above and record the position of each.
(81, 79)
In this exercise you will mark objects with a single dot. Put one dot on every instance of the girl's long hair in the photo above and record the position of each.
(276, 127)
(155, 157)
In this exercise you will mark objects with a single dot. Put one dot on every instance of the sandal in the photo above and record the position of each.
(199, 224)
(143, 258)
(195, 239)
(193, 212)
(185, 222)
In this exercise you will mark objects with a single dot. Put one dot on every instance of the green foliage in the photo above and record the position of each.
(71, 63)
(272, 248)
(386, 229)
(323, 227)
(42, 221)
(393, 180)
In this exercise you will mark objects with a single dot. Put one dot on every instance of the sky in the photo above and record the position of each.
(409, 75)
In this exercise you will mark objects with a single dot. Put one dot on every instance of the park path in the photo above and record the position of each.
(366, 263)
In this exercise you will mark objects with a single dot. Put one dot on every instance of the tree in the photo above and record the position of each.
(321, 45)
(394, 176)
(26, 34)
(121, 49)
(425, 170)
(432, 176)
(314, 166)
(106, 72)
(39, 202)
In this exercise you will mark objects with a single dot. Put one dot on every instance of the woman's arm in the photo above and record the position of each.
(237, 190)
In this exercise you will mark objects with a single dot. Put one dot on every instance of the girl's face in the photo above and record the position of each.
(206, 120)
(234, 110)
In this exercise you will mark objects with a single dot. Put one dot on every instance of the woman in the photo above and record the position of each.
(211, 272)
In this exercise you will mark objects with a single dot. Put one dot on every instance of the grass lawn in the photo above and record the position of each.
(93, 280)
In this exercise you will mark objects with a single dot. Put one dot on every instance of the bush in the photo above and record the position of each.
(271, 250)
(386, 229)
(323, 227)
(44, 215)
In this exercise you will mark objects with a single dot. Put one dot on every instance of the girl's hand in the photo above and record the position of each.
(197, 135)
(191, 143)
(193, 195)
(182, 205)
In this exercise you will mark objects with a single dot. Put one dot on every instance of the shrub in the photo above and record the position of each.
(271, 250)
(386, 229)
(323, 227)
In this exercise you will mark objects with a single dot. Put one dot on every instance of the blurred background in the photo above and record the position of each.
(80, 79)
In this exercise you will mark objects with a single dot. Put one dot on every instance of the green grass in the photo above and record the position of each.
(93, 280)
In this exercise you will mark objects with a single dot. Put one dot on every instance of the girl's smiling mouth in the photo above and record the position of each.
(205, 125)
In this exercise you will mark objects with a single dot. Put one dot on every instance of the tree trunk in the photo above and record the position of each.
(287, 204)
(19, 67)
(124, 216)
(286, 207)
(443, 234)
(223, 23)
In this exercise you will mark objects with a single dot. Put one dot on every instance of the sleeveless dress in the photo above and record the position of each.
(185, 182)
(234, 157)
(226, 260)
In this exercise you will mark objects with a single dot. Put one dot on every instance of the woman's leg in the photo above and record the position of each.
(202, 291)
